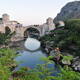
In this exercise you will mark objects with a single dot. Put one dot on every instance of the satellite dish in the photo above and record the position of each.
(32, 44)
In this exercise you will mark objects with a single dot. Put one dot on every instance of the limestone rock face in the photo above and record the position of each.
(69, 11)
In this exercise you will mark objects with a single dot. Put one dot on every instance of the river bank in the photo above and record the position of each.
(67, 40)
(47, 46)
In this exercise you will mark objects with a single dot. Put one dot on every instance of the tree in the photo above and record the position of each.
(7, 30)
(67, 37)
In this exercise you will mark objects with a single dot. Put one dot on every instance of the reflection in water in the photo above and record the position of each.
(32, 44)
(31, 58)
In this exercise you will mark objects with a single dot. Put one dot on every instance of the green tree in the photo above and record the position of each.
(67, 37)
(7, 30)
(67, 74)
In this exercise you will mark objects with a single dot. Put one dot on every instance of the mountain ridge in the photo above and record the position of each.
(70, 11)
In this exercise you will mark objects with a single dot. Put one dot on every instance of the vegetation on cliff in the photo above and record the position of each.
(67, 37)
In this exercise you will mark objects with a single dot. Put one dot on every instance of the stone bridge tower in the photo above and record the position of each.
(50, 23)
(5, 18)
(48, 26)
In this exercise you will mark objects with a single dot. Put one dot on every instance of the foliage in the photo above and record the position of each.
(6, 63)
(40, 72)
(67, 74)
(5, 37)
(7, 30)
(67, 38)
(67, 59)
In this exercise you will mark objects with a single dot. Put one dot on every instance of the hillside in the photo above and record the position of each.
(70, 11)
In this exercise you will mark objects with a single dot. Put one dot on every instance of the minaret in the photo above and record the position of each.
(5, 18)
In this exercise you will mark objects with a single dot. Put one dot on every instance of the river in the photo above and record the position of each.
(29, 58)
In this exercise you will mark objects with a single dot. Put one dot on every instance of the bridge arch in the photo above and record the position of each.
(31, 31)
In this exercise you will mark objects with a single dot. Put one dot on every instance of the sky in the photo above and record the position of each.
(29, 12)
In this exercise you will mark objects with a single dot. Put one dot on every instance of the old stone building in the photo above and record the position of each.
(21, 30)
(6, 22)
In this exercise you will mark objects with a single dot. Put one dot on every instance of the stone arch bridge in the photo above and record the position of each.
(24, 31)
(39, 30)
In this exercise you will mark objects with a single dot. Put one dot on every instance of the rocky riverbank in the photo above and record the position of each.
(67, 40)
(15, 45)
(61, 57)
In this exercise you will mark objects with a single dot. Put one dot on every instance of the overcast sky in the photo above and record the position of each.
(31, 11)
